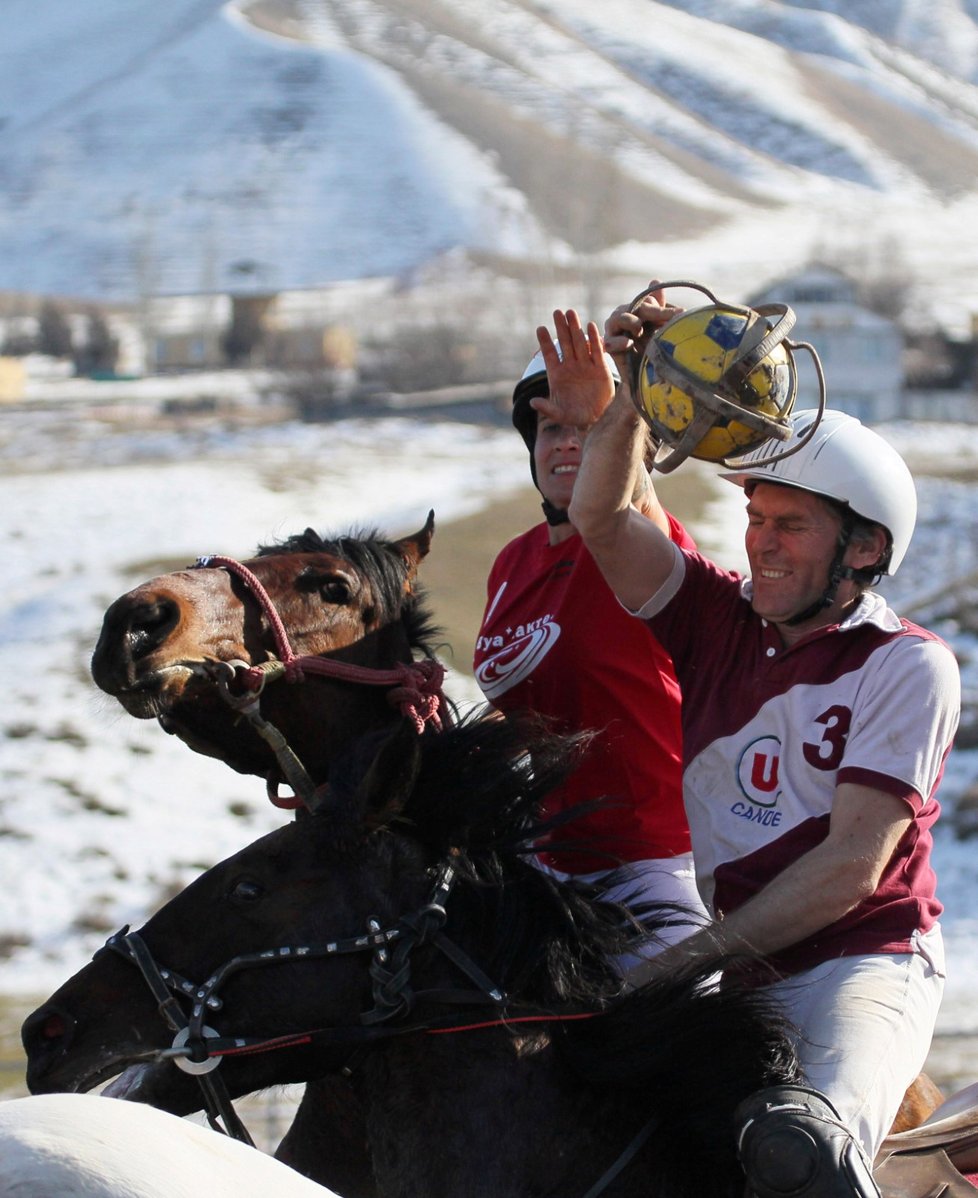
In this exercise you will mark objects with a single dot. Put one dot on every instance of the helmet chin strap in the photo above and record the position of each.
(554, 515)
(837, 573)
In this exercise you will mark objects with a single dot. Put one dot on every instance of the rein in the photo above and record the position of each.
(198, 1049)
(414, 687)
(217, 1101)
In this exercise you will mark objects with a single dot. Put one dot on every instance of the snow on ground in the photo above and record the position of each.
(100, 815)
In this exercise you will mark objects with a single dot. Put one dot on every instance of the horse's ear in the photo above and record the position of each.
(392, 776)
(415, 547)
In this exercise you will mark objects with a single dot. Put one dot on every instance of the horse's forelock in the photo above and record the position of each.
(359, 545)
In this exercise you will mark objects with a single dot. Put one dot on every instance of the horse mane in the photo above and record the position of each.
(686, 1049)
(473, 794)
(384, 567)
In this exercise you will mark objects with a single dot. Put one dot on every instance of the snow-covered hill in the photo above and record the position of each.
(200, 145)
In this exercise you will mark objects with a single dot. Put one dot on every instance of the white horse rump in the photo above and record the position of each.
(85, 1146)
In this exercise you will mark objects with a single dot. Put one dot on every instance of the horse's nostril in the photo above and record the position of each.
(53, 1027)
(149, 625)
(46, 1028)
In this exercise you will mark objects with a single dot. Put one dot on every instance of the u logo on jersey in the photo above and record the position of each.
(758, 771)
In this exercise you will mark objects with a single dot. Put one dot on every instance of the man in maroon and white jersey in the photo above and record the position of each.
(816, 723)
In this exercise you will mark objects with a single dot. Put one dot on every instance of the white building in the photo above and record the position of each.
(860, 351)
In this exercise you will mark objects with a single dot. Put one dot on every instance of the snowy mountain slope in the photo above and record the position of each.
(691, 107)
(192, 151)
(274, 143)
(942, 34)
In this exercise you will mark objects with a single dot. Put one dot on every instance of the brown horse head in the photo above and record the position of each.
(353, 599)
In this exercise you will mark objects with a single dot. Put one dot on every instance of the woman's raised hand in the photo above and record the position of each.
(579, 376)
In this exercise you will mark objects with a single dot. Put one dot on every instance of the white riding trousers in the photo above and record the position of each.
(867, 1024)
(666, 880)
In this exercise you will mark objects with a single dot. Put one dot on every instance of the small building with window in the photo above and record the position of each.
(861, 352)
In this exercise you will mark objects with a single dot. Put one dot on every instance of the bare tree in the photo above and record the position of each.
(883, 278)
(99, 351)
(54, 331)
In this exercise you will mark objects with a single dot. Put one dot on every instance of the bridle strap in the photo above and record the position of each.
(631, 1151)
(392, 992)
(160, 986)
(221, 1114)
(164, 983)
(415, 687)
(362, 1037)
(390, 971)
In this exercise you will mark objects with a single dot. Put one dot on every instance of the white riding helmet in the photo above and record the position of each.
(846, 462)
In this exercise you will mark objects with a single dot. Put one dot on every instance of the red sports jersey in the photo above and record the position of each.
(555, 640)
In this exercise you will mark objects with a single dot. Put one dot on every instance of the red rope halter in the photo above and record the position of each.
(415, 687)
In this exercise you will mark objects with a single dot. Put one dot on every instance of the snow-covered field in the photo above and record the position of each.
(100, 814)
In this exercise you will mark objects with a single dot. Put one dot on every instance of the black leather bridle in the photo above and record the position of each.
(198, 1049)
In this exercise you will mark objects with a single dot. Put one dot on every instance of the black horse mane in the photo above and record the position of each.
(473, 793)
(685, 1049)
(381, 563)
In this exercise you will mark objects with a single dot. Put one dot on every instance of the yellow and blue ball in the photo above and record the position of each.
(705, 344)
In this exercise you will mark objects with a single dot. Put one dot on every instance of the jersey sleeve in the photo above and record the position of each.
(905, 720)
(678, 534)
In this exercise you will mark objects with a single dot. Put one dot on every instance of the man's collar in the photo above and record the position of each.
(872, 608)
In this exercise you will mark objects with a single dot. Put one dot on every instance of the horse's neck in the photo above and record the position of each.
(367, 710)
(468, 1093)
(345, 749)
(384, 648)
(327, 1141)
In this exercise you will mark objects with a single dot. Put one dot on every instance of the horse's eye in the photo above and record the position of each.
(335, 590)
(246, 891)
(332, 588)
